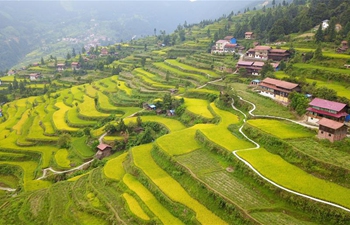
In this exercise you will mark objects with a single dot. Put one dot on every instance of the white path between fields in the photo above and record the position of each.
(209, 83)
(7, 189)
(258, 146)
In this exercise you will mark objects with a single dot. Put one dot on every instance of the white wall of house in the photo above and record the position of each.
(312, 120)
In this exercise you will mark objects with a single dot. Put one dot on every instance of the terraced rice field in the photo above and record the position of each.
(198, 107)
(276, 169)
(170, 124)
(147, 197)
(114, 168)
(191, 68)
(134, 207)
(170, 144)
(88, 110)
(286, 130)
(59, 119)
(170, 187)
(61, 158)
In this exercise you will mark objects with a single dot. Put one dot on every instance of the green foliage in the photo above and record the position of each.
(298, 102)
(64, 140)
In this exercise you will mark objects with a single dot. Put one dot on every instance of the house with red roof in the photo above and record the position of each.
(104, 52)
(75, 65)
(103, 150)
(61, 66)
(35, 76)
(219, 46)
(254, 67)
(277, 89)
(331, 130)
(249, 35)
(261, 52)
(321, 108)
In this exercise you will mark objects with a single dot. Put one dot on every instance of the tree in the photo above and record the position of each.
(83, 50)
(167, 101)
(242, 71)
(143, 61)
(73, 53)
(64, 140)
(15, 84)
(110, 128)
(145, 137)
(42, 61)
(121, 127)
(318, 53)
(298, 102)
(266, 69)
(319, 34)
(68, 56)
(139, 121)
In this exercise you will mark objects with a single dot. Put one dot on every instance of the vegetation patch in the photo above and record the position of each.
(114, 168)
(61, 158)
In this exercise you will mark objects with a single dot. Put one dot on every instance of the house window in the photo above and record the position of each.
(321, 132)
(329, 135)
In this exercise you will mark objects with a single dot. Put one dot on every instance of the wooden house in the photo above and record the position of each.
(249, 35)
(104, 52)
(75, 65)
(264, 53)
(61, 66)
(35, 76)
(103, 150)
(254, 68)
(277, 89)
(321, 108)
(331, 130)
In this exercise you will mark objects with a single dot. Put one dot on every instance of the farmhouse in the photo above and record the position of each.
(60, 66)
(266, 53)
(254, 68)
(35, 76)
(331, 130)
(104, 52)
(277, 89)
(103, 150)
(254, 83)
(343, 47)
(321, 108)
(248, 35)
(219, 46)
(231, 39)
(75, 66)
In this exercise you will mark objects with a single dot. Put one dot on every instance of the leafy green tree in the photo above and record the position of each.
(319, 34)
(167, 101)
(266, 69)
(318, 53)
(83, 50)
(145, 137)
(42, 61)
(298, 102)
(139, 121)
(73, 53)
(121, 127)
(15, 84)
(326, 93)
(64, 140)
(68, 57)
(110, 128)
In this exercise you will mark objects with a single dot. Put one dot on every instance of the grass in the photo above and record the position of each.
(90, 91)
(318, 150)
(151, 202)
(264, 105)
(61, 158)
(79, 145)
(114, 168)
(121, 85)
(212, 170)
(170, 143)
(276, 169)
(198, 107)
(135, 207)
(18, 126)
(281, 129)
(279, 218)
(170, 187)
(324, 68)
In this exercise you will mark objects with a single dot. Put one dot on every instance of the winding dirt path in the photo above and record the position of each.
(258, 146)
(7, 189)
